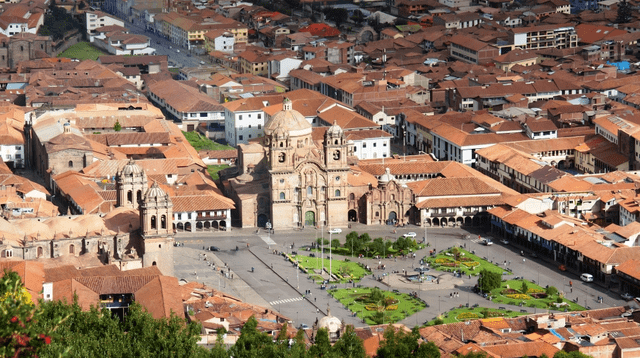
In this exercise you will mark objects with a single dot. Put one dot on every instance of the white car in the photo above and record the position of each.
(410, 234)
(335, 231)
(504, 242)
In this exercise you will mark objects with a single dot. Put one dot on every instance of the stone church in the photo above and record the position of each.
(138, 233)
(291, 180)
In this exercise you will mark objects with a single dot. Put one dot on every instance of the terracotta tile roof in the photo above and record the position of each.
(31, 273)
(517, 350)
(630, 267)
(462, 201)
(346, 119)
(190, 203)
(127, 138)
(160, 297)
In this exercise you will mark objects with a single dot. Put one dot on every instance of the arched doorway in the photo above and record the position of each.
(353, 215)
(393, 218)
(309, 218)
(262, 220)
(187, 226)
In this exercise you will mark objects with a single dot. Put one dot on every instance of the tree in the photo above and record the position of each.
(218, 350)
(251, 342)
(404, 344)
(551, 291)
(524, 287)
(18, 335)
(117, 127)
(336, 15)
(320, 241)
(335, 243)
(624, 12)
(349, 345)
(321, 347)
(353, 242)
(489, 280)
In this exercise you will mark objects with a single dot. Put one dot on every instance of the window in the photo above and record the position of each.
(337, 193)
(375, 144)
(249, 125)
(240, 117)
(337, 178)
(72, 249)
(309, 190)
(282, 195)
(153, 222)
(259, 126)
(240, 138)
(259, 116)
(71, 164)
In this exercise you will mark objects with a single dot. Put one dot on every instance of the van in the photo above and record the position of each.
(586, 277)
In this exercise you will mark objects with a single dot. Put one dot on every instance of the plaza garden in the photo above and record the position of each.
(375, 306)
(460, 260)
(363, 245)
(342, 271)
(525, 293)
(471, 313)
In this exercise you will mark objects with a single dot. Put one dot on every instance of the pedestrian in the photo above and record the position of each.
(570, 283)
(315, 299)
(450, 295)
(232, 276)
(571, 289)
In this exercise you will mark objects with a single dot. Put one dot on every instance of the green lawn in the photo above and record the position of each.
(469, 263)
(200, 142)
(343, 270)
(83, 51)
(465, 314)
(394, 308)
(214, 169)
(499, 296)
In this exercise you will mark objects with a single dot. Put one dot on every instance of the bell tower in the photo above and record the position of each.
(156, 229)
(335, 147)
(131, 184)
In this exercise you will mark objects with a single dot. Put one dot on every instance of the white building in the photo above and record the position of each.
(244, 119)
(96, 19)
(186, 104)
(279, 67)
(370, 144)
(220, 40)
(125, 44)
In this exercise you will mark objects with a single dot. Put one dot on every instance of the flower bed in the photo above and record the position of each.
(471, 264)
(535, 290)
(443, 260)
(371, 307)
(491, 314)
(519, 296)
(509, 291)
(467, 315)
(392, 307)
(539, 295)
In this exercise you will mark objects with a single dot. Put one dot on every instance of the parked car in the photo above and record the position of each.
(562, 268)
(335, 231)
(586, 277)
(627, 297)
(504, 242)
(410, 234)
(213, 248)
(487, 242)
(303, 326)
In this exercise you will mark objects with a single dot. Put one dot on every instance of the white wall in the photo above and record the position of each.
(372, 148)
(242, 126)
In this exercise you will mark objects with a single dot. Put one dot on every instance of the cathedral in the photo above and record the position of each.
(290, 177)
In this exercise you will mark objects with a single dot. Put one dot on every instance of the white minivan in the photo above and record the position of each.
(586, 277)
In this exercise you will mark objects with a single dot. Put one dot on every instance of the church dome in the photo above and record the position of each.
(335, 130)
(131, 168)
(155, 193)
(386, 177)
(289, 119)
(330, 323)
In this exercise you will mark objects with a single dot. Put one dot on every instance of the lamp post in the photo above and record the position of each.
(330, 272)
(425, 231)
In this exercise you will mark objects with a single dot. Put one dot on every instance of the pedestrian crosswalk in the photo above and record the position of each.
(286, 300)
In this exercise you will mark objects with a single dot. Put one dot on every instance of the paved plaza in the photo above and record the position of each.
(248, 268)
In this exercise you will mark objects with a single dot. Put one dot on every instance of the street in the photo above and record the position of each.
(276, 282)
